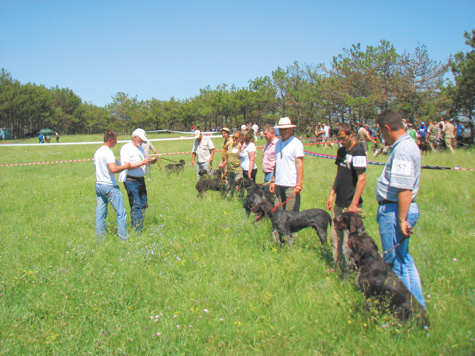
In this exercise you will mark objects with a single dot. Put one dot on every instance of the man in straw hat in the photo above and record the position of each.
(202, 152)
(288, 171)
(133, 178)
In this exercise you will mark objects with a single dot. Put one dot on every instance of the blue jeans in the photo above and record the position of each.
(399, 259)
(268, 176)
(137, 193)
(110, 194)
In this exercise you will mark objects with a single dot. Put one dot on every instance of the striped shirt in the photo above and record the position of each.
(402, 170)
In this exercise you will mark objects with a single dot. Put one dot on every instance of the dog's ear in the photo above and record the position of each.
(356, 224)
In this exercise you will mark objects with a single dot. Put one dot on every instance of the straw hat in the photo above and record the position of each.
(285, 123)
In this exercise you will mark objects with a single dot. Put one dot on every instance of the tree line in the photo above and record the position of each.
(355, 87)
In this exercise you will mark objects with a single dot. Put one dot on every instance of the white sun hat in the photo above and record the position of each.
(285, 123)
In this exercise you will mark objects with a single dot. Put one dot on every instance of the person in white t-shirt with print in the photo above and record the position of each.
(107, 190)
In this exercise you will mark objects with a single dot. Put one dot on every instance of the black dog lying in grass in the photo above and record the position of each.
(375, 277)
(287, 222)
(256, 193)
(175, 167)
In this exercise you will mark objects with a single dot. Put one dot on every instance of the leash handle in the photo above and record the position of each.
(395, 246)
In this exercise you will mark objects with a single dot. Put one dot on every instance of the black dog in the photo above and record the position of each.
(215, 184)
(175, 167)
(204, 174)
(256, 193)
(286, 222)
(375, 277)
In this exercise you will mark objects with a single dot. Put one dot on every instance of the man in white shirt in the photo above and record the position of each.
(203, 152)
(107, 190)
(134, 182)
(287, 180)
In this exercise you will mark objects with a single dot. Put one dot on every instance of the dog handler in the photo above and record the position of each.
(396, 190)
(134, 182)
(228, 142)
(203, 151)
(288, 171)
(348, 187)
(107, 190)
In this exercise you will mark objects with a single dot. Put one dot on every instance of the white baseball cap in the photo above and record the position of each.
(140, 133)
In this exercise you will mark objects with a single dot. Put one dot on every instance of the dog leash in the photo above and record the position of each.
(395, 246)
(166, 159)
(275, 207)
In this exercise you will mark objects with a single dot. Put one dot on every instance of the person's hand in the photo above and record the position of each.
(153, 160)
(272, 187)
(353, 208)
(405, 228)
(249, 175)
(221, 165)
(126, 165)
(298, 188)
(146, 161)
(330, 203)
(211, 159)
(192, 163)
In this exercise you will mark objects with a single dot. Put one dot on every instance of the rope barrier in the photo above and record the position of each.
(456, 168)
(321, 155)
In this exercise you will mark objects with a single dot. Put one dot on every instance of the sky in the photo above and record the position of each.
(163, 49)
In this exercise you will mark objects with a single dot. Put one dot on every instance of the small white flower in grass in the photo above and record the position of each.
(205, 310)
(190, 326)
(158, 334)
(175, 316)
(428, 296)
(151, 317)
(455, 259)
(221, 319)
(178, 326)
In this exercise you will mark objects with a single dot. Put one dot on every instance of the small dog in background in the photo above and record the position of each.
(175, 167)
(375, 277)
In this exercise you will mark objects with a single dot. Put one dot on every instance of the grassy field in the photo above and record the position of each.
(203, 279)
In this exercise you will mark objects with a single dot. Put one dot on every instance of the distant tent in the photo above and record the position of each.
(5, 134)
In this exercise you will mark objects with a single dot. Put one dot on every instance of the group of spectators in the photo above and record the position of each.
(282, 166)
(438, 134)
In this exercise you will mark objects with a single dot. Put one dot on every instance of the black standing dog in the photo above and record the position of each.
(375, 277)
(287, 222)
(256, 193)
(215, 184)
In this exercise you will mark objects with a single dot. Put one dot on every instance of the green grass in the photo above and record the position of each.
(63, 294)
